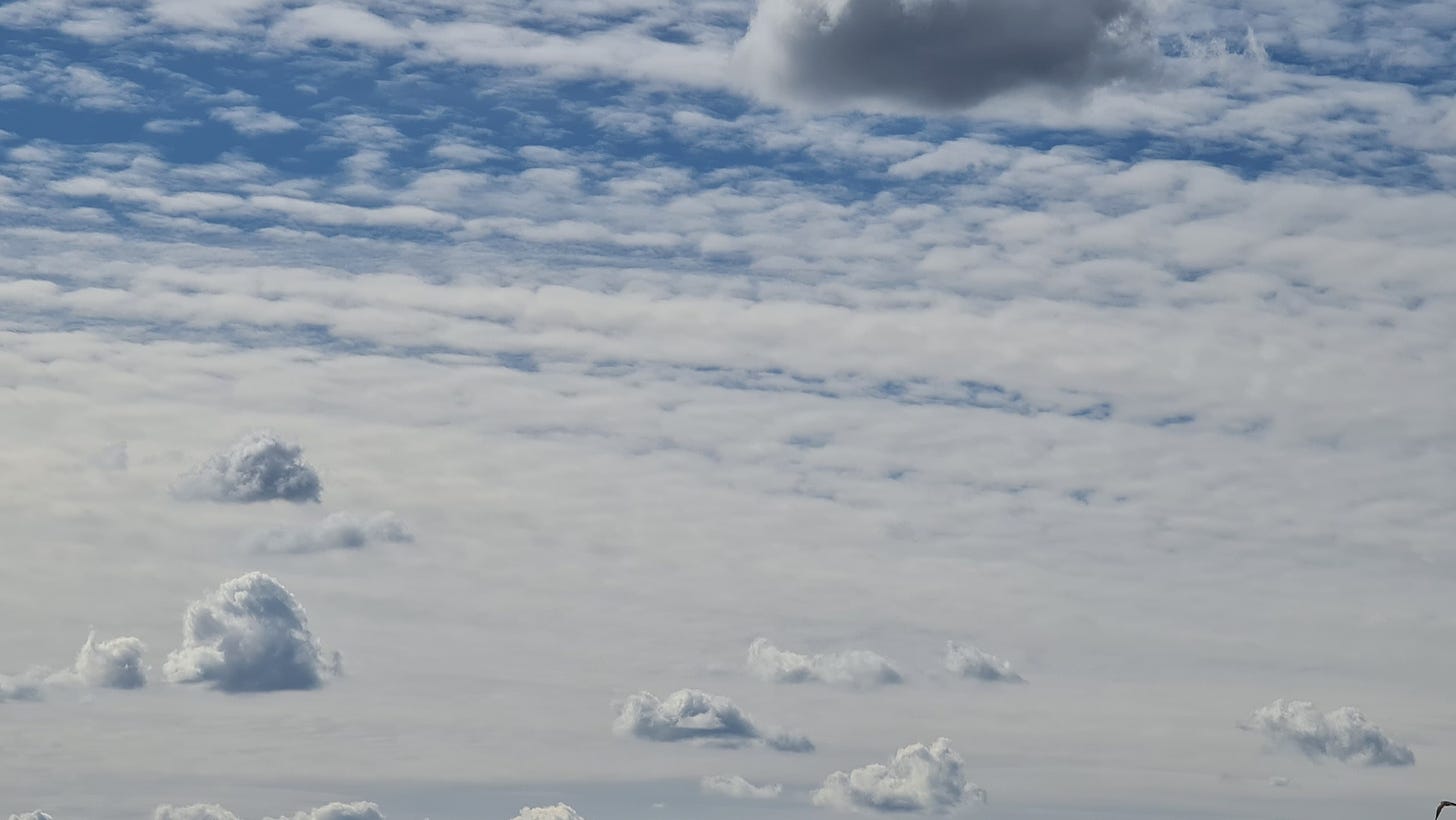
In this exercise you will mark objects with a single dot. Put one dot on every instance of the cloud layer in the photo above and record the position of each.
(1344, 734)
(339, 531)
(732, 785)
(919, 778)
(938, 54)
(259, 467)
(249, 635)
(858, 668)
(690, 714)
(970, 662)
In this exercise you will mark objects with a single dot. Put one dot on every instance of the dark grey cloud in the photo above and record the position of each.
(918, 778)
(560, 811)
(690, 714)
(113, 664)
(939, 54)
(249, 635)
(732, 785)
(339, 531)
(259, 467)
(1344, 734)
(855, 668)
(970, 662)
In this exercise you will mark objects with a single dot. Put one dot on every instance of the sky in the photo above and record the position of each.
(634, 409)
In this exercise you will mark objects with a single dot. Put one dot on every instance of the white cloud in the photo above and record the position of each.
(1343, 734)
(919, 778)
(251, 121)
(196, 811)
(250, 635)
(732, 785)
(938, 54)
(690, 714)
(20, 687)
(560, 811)
(338, 811)
(112, 664)
(858, 668)
(970, 662)
(338, 531)
(31, 815)
(259, 467)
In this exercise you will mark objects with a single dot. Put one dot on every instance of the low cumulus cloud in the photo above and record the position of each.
(970, 662)
(339, 531)
(31, 815)
(21, 687)
(560, 811)
(689, 714)
(337, 811)
(250, 635)
(1344, 734)
(919, 778)
(939, 55)
(857, 668)
(259, 467)
(197, 811)
(117, 663)
(732, 785)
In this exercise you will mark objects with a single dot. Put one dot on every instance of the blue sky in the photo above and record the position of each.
(542, 355)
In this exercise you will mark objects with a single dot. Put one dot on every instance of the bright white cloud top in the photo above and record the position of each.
(1114, 332)
(338, 811)
(560, 811)
(249, 635)
(855, 668)
(1343, 734)
(918, 778)
(196, 811)
(694, 715)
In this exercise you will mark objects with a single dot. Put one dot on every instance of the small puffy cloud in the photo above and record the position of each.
(31, 815)
(249, 635)
(1342, 734)
(113, 664)
(259, 467)
(936, 55)
(857, 668)
(339, 531)
(338, 811)
(732, 785)
(197, 811)
(919, 778)
(20, 687)
(689, 714)
(970, 662)
(252, 122)
(560, 811)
